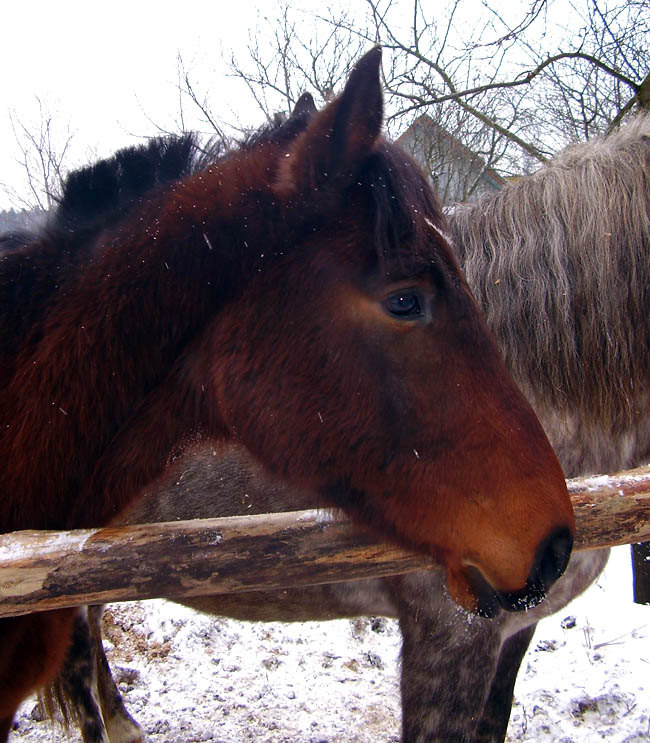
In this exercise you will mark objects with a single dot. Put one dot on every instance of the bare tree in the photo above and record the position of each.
(285, 56)
(507, 85)
(523, 77)
(296, 51)
(288, 54)
(511, 88)
(293, 52)
(43, 152)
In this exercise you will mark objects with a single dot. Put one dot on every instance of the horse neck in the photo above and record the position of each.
(115, 334)
(165, 423)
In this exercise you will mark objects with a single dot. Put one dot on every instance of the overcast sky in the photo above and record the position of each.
(104, 68)
(107, 72)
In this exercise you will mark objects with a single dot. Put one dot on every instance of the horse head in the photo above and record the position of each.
(370, 371)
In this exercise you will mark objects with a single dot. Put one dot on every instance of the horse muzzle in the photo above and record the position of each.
(550, 562)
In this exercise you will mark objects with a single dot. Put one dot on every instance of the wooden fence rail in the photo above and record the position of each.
(49, 570)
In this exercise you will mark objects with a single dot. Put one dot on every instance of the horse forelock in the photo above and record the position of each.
(404, 212)
(403, 208)
(559, 264)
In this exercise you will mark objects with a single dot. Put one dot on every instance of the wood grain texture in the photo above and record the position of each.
(49, 570)
(611, 509)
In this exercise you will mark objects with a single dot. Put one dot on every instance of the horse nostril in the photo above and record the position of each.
(553, 558)
(551, 561)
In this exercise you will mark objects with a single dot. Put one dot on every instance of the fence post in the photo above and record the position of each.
(641, 572)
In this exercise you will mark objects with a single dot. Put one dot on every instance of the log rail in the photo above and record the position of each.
(50, 570)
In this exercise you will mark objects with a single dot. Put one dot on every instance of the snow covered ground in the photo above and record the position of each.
(190, 678)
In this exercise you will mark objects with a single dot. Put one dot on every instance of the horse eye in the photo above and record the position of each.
(405, 304)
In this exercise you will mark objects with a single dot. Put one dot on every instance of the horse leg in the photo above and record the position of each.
(5, 727)
(583, 569)
(448, 662)
(32, 650)
(75, 693)
(496, 712)
(121, 727)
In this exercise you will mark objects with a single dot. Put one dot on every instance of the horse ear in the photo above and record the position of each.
(305, 107)
(339, 138)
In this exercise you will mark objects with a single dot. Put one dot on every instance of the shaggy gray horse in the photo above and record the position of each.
(560, 264)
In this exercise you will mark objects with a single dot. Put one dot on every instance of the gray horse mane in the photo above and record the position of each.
(560, 263)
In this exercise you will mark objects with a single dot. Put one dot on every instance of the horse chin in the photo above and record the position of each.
(471, 591)
(489, 602)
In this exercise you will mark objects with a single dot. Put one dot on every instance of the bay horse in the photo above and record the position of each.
(559, 261)
(297, 296)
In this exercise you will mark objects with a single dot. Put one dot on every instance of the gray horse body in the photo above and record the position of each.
(449, 660)
(560, 265)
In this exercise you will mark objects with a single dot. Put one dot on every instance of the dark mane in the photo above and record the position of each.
(98, 195)
(95, 198)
